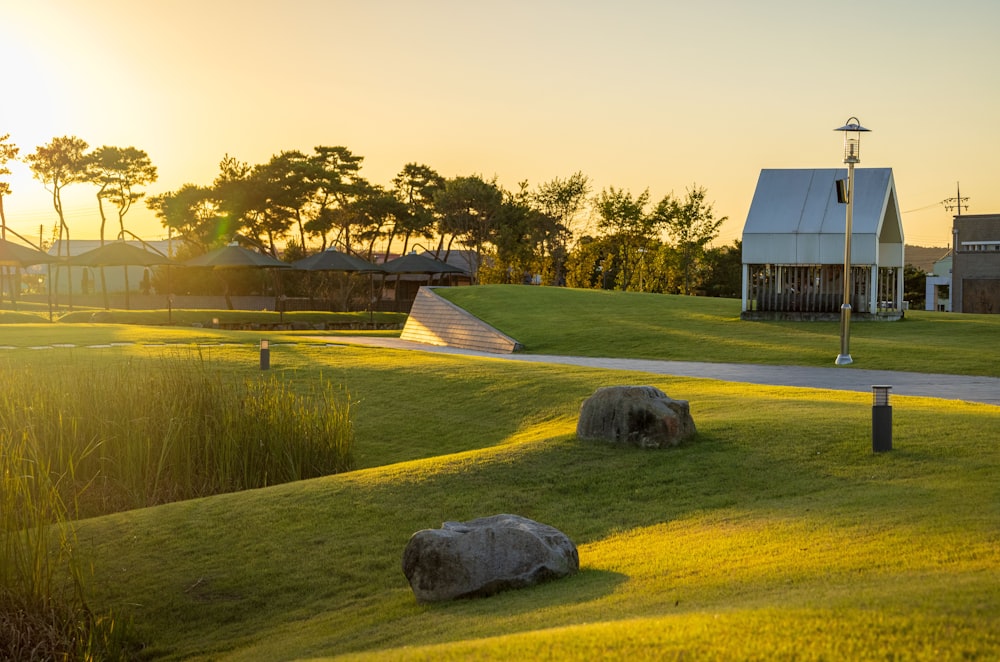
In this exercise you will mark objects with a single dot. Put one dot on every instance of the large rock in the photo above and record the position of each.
(641, 416)
(484, 556)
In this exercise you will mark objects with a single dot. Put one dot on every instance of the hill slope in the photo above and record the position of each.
(923, 258)
(777, 522)
(549, 320)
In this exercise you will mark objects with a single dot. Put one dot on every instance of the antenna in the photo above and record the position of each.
(957, 202)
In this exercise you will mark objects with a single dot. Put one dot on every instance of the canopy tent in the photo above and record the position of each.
(332, 260)
(19, 257)
(411, 263)
(405, 290)
(118, 254)
(16, 255)
(234, 256)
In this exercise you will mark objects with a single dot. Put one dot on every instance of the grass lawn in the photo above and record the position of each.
(549, 320)
(204, 317)
(775, 534)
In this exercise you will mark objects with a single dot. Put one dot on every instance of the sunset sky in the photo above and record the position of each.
(661, 94)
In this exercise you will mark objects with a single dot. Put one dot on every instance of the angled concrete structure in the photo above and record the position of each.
(793, 246)
(437, 321)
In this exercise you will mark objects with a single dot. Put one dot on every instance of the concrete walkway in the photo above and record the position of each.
(949, 387)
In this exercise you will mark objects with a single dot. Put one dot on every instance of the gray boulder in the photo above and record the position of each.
(642, 416)
(485, 556)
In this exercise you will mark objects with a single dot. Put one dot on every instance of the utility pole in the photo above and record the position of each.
(957, 202)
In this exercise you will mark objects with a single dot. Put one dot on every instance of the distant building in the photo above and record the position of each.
(793, 246)
(938, 286)
(975, 269)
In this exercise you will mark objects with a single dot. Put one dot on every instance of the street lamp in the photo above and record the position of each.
(852, 154)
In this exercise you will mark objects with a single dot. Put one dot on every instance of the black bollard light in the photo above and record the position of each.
(881, 419)
(265, 355)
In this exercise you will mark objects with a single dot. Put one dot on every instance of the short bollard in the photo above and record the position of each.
(881, 419)
(265, 355)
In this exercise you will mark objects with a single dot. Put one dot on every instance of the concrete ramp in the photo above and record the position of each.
(437, 321)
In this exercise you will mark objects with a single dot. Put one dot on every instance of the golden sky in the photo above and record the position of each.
(663, 94)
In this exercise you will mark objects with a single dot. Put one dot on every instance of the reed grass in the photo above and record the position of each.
(115, 435)
(91, 438)
(44, 614)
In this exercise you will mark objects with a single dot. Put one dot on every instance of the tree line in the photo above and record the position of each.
(555, 233)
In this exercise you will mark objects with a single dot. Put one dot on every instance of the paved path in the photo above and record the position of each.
(950, 387)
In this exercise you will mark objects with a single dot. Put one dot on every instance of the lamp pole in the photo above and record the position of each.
(852, 154)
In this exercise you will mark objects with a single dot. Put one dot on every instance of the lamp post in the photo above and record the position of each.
(852, 154)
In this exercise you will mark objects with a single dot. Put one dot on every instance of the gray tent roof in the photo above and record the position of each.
(234, 256)
(795, 218)
(118, 253)
(334, 260)
(16, 255)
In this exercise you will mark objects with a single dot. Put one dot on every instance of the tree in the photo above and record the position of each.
(724, 271)
(915, 286)
(468, 207)
(375, 212)
(415, 186)
(334, 175)
(58, 164)
(232, 197)
(591, 264)
(562, 201)
(516, 228)
(691, 224)
(631, 229)
(118, 172)
(194, 213)
(8, 152)
(286, 179)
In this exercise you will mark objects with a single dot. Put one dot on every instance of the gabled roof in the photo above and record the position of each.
(795, 218)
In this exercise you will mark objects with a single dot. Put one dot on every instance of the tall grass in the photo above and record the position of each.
(95, 438)
(44, 613)
(138, 432)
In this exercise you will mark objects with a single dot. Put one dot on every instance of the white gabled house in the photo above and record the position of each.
(793, 246)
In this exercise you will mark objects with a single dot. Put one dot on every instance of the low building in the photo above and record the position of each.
(975, 269)
(793, 246)
(938, 287)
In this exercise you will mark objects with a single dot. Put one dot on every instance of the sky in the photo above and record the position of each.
(662, 95)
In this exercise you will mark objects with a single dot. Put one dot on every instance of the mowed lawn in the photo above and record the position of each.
(549, 320)
(776, 534)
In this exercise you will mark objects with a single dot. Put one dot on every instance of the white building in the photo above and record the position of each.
(793, 246)
(939, 286)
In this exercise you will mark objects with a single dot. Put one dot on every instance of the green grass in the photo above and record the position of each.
(242, 317)
(30, 312)
(548, 320)
(778, 522)
(776, 534)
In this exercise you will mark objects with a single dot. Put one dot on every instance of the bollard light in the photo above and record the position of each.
(265, 355)
(881, 419)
